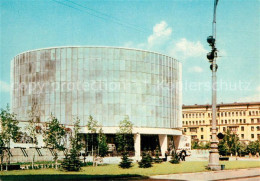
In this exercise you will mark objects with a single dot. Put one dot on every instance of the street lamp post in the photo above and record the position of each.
(213, 154)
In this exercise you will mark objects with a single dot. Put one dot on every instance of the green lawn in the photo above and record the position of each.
(108, 171)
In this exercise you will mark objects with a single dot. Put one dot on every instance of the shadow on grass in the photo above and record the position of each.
(72, 177)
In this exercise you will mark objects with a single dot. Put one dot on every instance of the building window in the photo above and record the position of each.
(203, 122)
(201, 137)
(185, 130)
(222, 121)
(224, 129)
(258, 128)
(252, 128)
(183, 116)
(258, 120)
(201, 129)
(240, 120)
(193, 130)
(258, 136)
(240, 113)
(252, 121)
(182, 122)
(186, 122)
(210, 136)
(244, 113)
(252, 136)
(236, 113)
(236, 120)
(233, 129)
(242, 136)
(196, 122)
(244, 120)
(193, 136)
(225, 121)
(242, 128)
(233, 121)
(222, 114)
(200, 122)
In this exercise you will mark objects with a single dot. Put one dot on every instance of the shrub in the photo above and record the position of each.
(175, 158)
(157, 159)
(126, 162)
(146, 161)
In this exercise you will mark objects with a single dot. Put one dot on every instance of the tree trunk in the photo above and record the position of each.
(56, 159)
(92, 150)
(2, 159)
(56, 164)
(33, 159)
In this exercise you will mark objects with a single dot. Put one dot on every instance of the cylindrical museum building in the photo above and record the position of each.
(108, 83)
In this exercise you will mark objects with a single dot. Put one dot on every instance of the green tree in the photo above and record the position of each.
(253, 147)
(229, 144)
(32, 128)
(125, 139)
(72, 161)
(92, 127)
(242, 149)
(126, 162)
(146, 161)
(102, 144)
(9, 131)
(157, 153)
(195, 144)
(124, 136)
(175, 159)
(54, 137)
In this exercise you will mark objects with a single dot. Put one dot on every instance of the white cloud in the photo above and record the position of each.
(252, 98)
(161, 33)
(196, 69)
(160, 40)
(4, 87)
(185, 49)
(258, 89)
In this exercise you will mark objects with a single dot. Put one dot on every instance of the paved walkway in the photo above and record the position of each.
(239, 174)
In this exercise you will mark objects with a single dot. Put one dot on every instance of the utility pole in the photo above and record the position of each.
(213, 154)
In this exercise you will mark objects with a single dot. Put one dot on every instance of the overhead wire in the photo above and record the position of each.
(110, 17)
(101, 15)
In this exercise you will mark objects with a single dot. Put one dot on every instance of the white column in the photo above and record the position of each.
(163, 143)
(137, 139)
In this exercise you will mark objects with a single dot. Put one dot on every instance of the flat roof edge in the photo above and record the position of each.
(88, 46)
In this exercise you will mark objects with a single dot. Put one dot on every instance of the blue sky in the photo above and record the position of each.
(178, 28)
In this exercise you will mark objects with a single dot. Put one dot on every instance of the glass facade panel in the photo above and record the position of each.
(107, 83)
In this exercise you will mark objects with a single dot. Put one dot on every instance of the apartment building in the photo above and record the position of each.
(242, 119)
